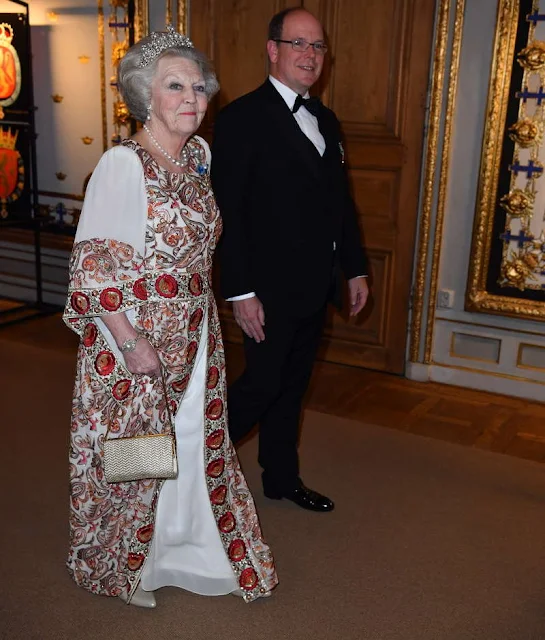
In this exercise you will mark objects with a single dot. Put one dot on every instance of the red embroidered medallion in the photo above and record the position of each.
(135, 560)
(215, 409)
(213, 377)
(111, 299)
(237, 550)
(195, 284)
(90, 334)
(215, 439)
(105, 363)
(227, 522)
(217, 496)
(180, 384)
(80, 302)
(144, 534)
(211, 344)
(248, 579)
(121, 389)
(166, 286)
(196, 319)
(139, 289)
(191, 352)
(215, 468)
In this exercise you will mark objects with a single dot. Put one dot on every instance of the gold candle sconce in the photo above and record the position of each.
(57, 98)
(84, 59)
(87, 140)
(60, 175)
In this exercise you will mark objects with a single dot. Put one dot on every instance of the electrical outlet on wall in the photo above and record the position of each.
(445, 299)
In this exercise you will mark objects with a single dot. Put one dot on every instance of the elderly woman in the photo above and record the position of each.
(140, 298)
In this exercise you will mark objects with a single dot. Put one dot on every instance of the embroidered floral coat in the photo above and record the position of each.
(144, 245)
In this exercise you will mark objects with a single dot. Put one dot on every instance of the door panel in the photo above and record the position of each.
(376, 81)
(377, 86)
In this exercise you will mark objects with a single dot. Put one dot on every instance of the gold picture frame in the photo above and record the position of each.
(506, 274)
(176, 12)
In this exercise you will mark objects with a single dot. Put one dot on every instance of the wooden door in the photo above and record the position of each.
(376, 82)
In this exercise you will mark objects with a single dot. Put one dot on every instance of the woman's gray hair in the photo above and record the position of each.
(134, 81)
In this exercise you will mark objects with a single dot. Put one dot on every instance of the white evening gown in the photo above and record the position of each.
(186, 550)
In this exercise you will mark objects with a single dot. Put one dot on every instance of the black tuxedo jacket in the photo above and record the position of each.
(283, 205)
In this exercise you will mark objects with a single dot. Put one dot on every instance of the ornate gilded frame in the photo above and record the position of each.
(501, 279)
(176, 12)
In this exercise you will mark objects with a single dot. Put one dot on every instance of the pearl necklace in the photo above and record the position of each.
(184, 160)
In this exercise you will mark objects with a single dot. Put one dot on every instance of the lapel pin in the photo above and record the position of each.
(341, 149)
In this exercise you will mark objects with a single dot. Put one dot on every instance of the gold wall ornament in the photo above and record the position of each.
(141, 19)
(526, 132)
(119, 28)
(507, 263)
(52, 16)
(518, 203)
(182, 17)
(516, 272)
(84, 59)
(57, 98)
(532, 57)
(121, 113)
(87, 140)
(60, 175)
(119, 49)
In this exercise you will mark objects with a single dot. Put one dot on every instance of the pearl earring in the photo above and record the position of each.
(148, 117)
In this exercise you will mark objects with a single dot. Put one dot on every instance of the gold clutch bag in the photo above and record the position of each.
(141, 457)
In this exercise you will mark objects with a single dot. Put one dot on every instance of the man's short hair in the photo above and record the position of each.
(276, 25)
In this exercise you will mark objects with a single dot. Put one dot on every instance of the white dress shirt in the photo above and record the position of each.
(306, 121)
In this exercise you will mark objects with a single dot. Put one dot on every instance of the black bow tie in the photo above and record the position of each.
(312, 105)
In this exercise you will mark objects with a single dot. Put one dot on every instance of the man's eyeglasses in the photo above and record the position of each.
(302, 45)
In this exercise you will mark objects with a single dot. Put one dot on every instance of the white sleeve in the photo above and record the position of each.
(106, 271)
(115, 205)
(244, 296)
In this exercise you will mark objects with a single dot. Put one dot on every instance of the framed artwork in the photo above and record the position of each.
(14, 65)
(15, 117)
(507, 264)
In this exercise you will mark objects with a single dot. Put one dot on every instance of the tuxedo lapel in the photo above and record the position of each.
(280, 117)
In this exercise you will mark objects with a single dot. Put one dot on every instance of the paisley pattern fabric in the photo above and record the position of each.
(166, 285)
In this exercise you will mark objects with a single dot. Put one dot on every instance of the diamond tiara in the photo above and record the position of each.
(160, 41)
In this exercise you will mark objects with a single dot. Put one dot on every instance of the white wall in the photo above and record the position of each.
(486, 347)
(61, 34)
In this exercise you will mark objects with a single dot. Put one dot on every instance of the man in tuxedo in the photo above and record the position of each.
(290, 230)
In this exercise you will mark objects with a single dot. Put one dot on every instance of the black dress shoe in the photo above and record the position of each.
(303, 497)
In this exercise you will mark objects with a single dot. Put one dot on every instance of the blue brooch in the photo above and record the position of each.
(202, 168)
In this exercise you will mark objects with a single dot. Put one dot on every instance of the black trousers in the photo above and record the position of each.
(270, 392)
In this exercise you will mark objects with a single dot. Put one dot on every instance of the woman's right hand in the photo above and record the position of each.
(143, 360)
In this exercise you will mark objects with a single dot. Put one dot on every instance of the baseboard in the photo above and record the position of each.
(417, 371)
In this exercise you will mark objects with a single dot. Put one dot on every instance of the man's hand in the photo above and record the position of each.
(250, 317)
(359, 292)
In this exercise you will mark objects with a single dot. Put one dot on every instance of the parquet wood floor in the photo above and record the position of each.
(471, 418)
(464, 416)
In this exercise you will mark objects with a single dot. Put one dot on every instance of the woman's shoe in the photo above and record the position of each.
(140, 598)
